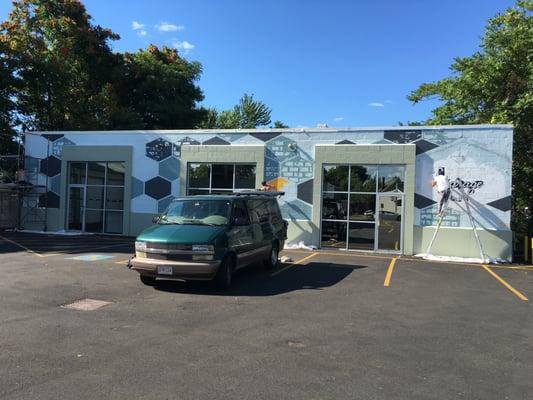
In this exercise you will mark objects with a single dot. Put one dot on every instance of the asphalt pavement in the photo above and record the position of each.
(329, 325)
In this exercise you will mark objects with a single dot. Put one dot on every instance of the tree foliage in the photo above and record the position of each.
(247, 114)
(155, 89)
(8, 83)
(63, 60)
(495, 85)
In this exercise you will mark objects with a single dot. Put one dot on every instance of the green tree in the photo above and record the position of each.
(495, 85)
(279, 125)
(155, 89)
(7, 89)
(247, 114)
(63, 60)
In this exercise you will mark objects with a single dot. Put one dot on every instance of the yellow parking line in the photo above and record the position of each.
(504, 283)
(21, 246)
(295, 263)
(389, 272)
(122, 261)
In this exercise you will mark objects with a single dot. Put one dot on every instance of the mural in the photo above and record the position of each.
(477, 159)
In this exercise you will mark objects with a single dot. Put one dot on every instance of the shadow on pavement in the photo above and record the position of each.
(255, 281)
(43, 243)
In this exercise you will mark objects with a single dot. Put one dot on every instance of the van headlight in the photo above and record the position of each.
(203, 248)
(140, 246)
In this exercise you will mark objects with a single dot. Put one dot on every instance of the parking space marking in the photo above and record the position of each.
(295, 263)
(504, 283)
(122, 261)
(22, 246)
(389, 272)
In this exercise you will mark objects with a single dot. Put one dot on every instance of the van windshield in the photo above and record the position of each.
(197, 212)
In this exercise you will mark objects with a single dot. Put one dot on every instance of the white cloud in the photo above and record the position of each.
(137, 25)
(184, 46)
(376, 104)
(142, 33)
(167, 27)
(338, 119)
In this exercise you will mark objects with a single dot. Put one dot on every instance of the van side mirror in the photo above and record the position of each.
(156, 219)
(240, 221)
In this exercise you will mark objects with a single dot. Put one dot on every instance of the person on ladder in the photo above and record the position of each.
(442, 183)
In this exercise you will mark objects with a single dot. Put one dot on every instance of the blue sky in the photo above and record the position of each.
(342, 63)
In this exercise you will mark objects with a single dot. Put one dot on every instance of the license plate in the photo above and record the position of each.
(165, 270)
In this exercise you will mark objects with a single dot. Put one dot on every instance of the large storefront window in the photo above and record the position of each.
(362, 207)
(96, 196)
(204, 178)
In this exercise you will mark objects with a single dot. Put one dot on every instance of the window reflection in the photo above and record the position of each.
(336, 178)
(363, 178)
(391, 178)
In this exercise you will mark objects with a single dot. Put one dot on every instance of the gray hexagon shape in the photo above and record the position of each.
(137, 187)
(163, 204)
(55, 184)
(157, 188)
(176, 149)
(51, 166)
(158, 149)
(305, 191)
(170, 168)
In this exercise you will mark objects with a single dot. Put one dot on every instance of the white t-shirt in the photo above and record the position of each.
(442, 183)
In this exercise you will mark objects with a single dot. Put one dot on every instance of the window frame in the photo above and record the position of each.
(210, 189)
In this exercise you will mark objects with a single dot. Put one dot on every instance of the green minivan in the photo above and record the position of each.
(208, 237)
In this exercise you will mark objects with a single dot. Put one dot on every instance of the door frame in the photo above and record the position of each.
(402, 220)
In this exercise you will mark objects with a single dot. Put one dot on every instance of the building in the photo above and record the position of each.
(363, 189)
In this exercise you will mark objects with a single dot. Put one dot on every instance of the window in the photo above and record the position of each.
(350, 194)
(205, 178)
(96, 196)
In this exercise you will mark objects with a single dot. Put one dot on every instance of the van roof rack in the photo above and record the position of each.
(246, 192)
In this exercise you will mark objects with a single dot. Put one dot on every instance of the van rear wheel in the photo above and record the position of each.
(273, 259)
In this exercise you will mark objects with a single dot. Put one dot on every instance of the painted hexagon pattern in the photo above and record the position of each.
(55, 183)
(305, 191)
(295, 209)
(271, 168)
(52, 136)
(176, 148)
(297, 169)
(157, 188)
(403, 136)
(57, 146)
(215, 140)
(158, 149)
(137, 187)
(163, 203)
(170, 168)
(31, 164)
(282, 148)
(51, 166)
(49, 200)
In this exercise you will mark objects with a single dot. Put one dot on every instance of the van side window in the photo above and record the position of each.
(259, 210)
(273, 209)
(239, 210)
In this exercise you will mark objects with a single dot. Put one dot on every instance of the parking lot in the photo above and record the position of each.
(329, 325)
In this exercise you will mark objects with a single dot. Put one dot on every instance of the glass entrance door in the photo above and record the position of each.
(76, 201)
(96, 197)
(389, 224)
(362, 207)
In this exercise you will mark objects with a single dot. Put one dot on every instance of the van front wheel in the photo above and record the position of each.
(225, 271)
(272, 261)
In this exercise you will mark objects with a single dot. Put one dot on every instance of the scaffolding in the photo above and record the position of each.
(22, 198)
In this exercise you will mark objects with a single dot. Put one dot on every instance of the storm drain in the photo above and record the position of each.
(86, 305)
